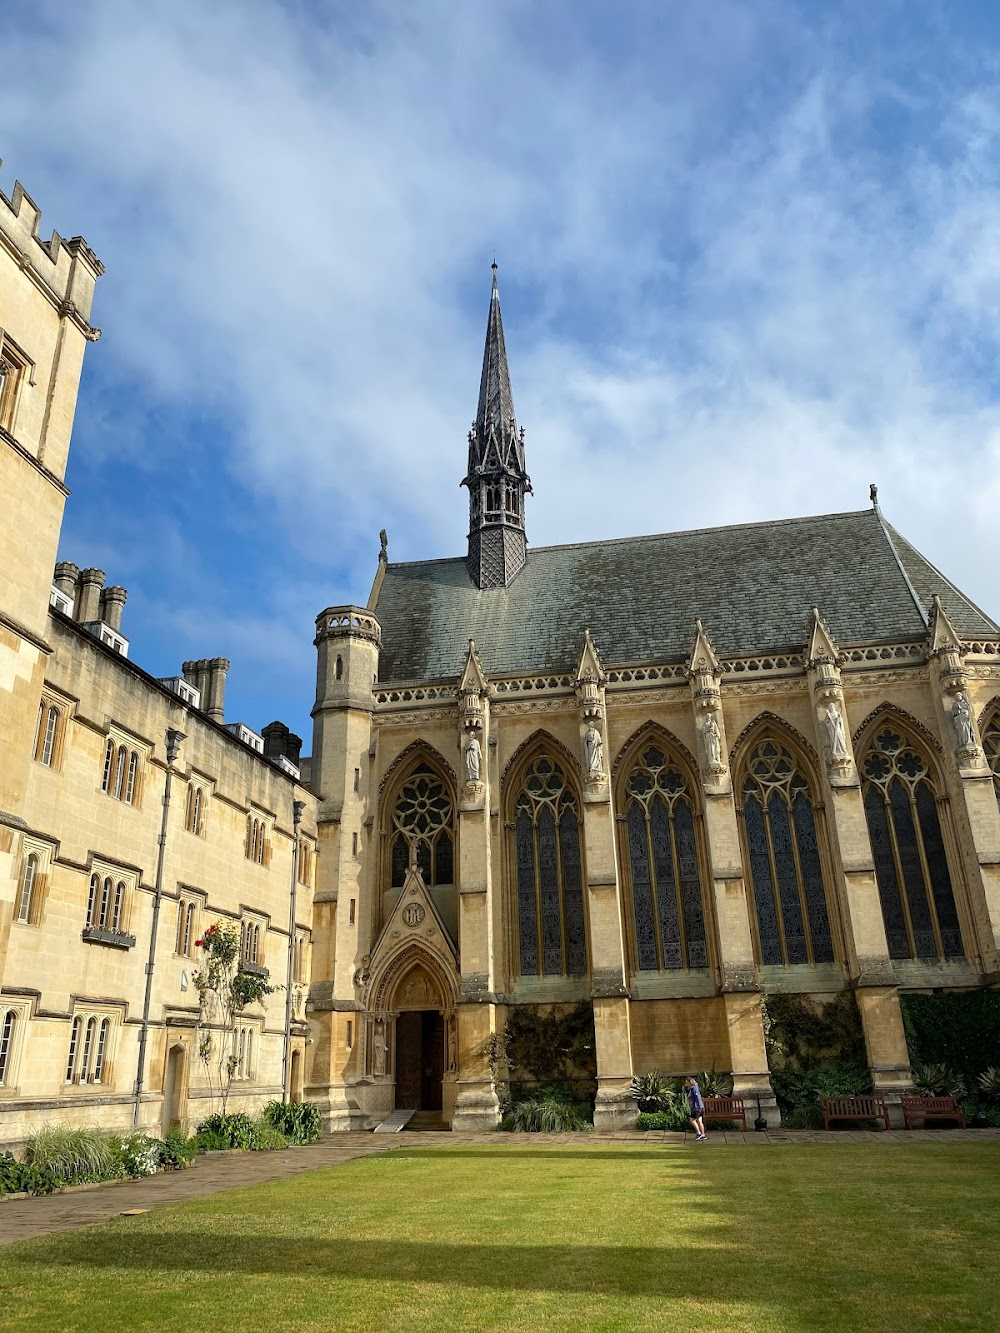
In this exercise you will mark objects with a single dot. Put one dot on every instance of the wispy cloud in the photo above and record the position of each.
(748, 265)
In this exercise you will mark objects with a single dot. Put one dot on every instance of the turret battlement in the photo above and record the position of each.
(348, 622)
(66, 269)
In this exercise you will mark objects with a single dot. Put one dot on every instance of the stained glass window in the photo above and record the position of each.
(668, 914)
(550, 927)
(991, 744)
(911, 865)
(423, 816)
(786, 873)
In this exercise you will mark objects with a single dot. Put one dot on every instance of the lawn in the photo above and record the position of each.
(575, 1236)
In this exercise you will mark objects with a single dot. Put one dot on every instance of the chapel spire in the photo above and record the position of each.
(496, 477)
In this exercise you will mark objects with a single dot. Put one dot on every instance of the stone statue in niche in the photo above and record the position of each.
(473, 758)
(593, 746)
(833, 727)
(711, 736)
(452, 1043)
(961, 721)
(378, 1044)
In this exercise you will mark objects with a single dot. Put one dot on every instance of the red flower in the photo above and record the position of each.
(199, 944)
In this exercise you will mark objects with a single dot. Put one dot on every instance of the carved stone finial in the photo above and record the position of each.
(822, 650)
(384, 539)
(703, 660)
(873, 493)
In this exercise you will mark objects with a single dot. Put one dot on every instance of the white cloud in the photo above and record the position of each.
(728, 293)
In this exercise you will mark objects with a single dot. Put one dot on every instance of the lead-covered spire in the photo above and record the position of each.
(496, 477)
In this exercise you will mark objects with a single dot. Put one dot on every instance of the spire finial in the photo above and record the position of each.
(873, 493)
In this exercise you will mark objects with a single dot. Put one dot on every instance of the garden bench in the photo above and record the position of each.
(931, 1108)
(854, 1108)
(725, 1108)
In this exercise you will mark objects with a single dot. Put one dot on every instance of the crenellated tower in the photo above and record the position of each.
(496, 477)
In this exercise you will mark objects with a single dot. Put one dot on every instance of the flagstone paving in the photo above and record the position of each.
(21, 1219)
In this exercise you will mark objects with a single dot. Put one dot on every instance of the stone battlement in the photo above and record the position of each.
(68, 269)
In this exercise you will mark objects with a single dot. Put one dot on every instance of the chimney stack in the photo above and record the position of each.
(65, 577)
(88, 597)
(113, 601)
(217, 669)
(280, 743)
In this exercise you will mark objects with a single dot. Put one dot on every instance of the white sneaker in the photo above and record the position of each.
(700, 1138)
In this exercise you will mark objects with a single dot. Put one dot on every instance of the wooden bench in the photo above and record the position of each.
(931, 1108)
(725, 1108)
(870, 1107)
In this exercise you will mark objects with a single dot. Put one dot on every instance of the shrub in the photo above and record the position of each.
(266, 1137)
(992, 1113)
(673, 1113)
(299, 1122)
(208, 1140)
(798, 1090)
(133, 1155)
(177, 1151)
(72, 1155)
(652, 1090)
(937, 1080)
(989, 1084)
(231, 1129)
(548, 1113)
(715, 1084)
(21, 1178)
(958, 1029)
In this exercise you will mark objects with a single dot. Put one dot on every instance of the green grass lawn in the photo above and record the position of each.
(581, 1236)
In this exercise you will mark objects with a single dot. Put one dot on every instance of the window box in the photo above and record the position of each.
(114, 939)
(254, 969)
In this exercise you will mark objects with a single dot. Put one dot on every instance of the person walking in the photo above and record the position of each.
(696, 1106)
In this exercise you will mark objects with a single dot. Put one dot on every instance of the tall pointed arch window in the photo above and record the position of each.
(423, 816)
(991, 744)
(668, 915)
(550, 926)
(911, 864)
(791, 918)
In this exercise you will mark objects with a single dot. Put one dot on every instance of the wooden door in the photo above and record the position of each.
(409, 1060)
(432, 1054)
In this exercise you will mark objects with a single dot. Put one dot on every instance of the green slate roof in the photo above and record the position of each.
(753, 585)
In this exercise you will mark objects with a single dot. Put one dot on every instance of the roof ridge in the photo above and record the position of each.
(943, 577)
(652, 536)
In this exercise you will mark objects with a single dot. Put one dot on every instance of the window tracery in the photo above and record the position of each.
(663, 865)
(786, 872)
(911, 864)
(549, 874)
(423, 816)
(991, 745)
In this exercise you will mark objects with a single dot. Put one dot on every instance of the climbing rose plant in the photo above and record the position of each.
(224, 992)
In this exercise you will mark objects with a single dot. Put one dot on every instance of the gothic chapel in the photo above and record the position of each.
(665, 775)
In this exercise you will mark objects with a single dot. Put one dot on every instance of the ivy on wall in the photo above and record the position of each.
(957, 1029)
(545, 1046)
(814, 1051)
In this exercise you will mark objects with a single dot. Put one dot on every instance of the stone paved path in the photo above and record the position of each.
(21, 1219)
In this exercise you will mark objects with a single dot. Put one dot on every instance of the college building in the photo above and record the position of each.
(666, 776)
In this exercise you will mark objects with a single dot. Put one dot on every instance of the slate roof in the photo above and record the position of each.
(753, 585)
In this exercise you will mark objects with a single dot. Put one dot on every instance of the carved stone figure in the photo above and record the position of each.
(961, 720)
(712, 737)
(833, 725)
(378, 1041)
(473, 758)
(594, 747)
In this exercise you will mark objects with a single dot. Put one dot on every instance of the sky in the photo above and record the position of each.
(748, 260)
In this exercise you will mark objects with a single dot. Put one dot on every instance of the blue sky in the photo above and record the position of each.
(749, 262)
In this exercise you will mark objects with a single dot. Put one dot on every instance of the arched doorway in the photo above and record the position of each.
(173, 1089)
(411, 1035)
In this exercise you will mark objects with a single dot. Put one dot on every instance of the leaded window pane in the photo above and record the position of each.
(885, 873)
(665, 879)
(423, 815)
(905, 829)
(937, 866)
(812, 878)
(694, 916)
(666, 889)
(642, 893)
(760, 875)
(786, 871)
(399, 861)
(991, 746)
(551, 930)
(527, 921)
(548, 874)
(576, 939)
